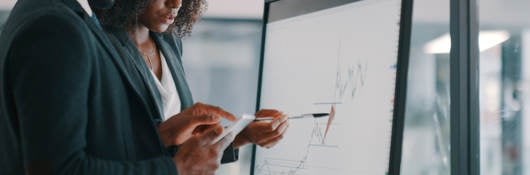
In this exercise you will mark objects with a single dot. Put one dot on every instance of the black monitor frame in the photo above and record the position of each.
(290, 8)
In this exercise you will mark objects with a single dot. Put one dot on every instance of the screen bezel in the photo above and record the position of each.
(292, 8)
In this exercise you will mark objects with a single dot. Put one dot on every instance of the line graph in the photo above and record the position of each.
(317, 140)
(351, 74)
(349, 80)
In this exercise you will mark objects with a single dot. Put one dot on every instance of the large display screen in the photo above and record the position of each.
(340, 60)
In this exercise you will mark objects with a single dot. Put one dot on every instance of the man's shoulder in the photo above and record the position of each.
(28, 13)
(117, 35)
(26, 24)
(50, 25)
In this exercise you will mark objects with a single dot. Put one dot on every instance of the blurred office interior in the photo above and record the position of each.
(504, 46)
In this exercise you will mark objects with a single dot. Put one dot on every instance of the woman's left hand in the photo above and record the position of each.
(264, 133)
(193, 120)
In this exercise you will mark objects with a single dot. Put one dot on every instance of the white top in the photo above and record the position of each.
(86, 6)
(168, 91)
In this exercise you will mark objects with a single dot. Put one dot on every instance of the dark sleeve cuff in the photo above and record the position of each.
(230, 155)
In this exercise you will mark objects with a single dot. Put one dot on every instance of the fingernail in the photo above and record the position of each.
(218, 130)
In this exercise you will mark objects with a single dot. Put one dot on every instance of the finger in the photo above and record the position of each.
(205, 120)
(272, 139)
(283, 118)
(268, 113)
(272, 142)
(282, 128)
(204, 109)
(210, 134)
(277, 122)
(225, 142)
(203, 129)
(279, 131)
(218, 111)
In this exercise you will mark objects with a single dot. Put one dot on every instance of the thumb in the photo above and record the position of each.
(225, 142)
(211, 134)
(204, 120)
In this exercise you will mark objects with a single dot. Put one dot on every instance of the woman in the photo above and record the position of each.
(148, 36)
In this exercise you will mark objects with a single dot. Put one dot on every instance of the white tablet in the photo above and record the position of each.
(236, 127)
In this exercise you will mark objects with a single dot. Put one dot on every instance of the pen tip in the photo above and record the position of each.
(320, 114)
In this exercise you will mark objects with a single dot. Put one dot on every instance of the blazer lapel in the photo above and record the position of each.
(147, 79)
(172, 55)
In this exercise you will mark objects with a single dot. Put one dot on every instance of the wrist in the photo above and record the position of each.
(164, 137)
(240, 141)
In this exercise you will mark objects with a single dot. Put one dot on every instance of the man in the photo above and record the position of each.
(67, 106)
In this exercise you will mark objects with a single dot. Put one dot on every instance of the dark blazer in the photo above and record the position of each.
(171, 48)
(68, 104)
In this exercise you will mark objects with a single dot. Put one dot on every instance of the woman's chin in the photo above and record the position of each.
(160, 29)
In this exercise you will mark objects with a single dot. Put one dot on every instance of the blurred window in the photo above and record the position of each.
(504, 42)
(427, 128)
(221, 61)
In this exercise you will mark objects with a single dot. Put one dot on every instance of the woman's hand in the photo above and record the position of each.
(264, 133)
(195, 119)
(198, 155)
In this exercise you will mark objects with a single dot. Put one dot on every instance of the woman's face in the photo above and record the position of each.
(160, 14)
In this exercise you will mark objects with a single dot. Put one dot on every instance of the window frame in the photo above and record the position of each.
(465, 115)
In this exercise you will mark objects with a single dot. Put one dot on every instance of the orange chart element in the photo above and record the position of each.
(330, 119)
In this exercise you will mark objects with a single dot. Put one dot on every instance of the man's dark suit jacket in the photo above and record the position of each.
(171, 48)
(68, 103)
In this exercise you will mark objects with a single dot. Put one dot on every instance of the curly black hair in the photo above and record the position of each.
(124, 14)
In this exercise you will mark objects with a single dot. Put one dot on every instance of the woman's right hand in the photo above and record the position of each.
(179, 128)
(199, 155)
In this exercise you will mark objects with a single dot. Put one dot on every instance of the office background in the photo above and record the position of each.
(221, 61)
